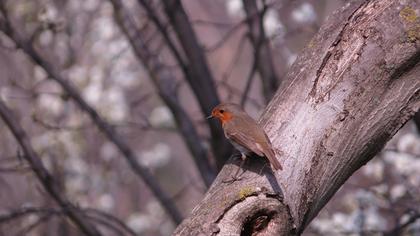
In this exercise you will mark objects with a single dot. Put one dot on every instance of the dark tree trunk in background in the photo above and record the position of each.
(351, 89)
(416, 119)
(198, 74)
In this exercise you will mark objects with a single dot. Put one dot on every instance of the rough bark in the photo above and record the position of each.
(351, 89)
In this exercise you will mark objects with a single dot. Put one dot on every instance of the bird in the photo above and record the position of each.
(244, 133)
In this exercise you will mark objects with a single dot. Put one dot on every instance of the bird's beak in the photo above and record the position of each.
(209, 117)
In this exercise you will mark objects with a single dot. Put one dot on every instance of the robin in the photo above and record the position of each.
(244, 133)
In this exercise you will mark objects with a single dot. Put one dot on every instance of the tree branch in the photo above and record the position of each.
(46, 179)
(103, 126)
(398, 229)
(262, 50)
(190, 135)
(249, 81)
(101, 217)
(348, 93)
(166, 86)
(199, 75)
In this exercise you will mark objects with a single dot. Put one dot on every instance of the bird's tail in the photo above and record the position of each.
(270, 154)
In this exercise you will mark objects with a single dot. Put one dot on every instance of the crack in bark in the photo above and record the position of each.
(332, 48)
(257, 222)
(406, 66)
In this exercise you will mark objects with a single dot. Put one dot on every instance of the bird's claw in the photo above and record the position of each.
(232, 179)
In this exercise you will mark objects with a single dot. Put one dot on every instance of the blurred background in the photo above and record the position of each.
(152, 76)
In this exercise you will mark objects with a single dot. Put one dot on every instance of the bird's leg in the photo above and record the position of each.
(243, 160)
(235, 177)
(262, 169)
(236, 155)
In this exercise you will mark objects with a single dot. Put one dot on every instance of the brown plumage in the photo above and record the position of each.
(244, 133)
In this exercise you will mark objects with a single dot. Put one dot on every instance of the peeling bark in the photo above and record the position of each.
(348, 93)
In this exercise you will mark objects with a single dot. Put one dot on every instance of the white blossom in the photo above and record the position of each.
(106, 202)
(51, 103)
(272, 24)
(161, 116)
(374, 169)
(158, 155)
(139, 222)
(305, 13)
(235, 8)
(398, 191)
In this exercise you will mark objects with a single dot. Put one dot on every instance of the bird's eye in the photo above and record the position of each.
(221, 111)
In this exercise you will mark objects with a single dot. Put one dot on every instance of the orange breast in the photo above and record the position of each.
(225, 117)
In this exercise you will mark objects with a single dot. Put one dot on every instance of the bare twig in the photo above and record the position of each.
(111, 219)
(235, 28)
(249, 81)
(398, 229)
(15, 168)
(226, 37)
(21, 212)
(199, 76)
(166, 86)
(103, 218)
(200, 22)
(46, 179)
(194, 68)
(262, 51)
(32, 226)
(129, 155)
(235, 59)
(162, 29)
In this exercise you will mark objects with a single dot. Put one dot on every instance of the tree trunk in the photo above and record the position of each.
(351, 89)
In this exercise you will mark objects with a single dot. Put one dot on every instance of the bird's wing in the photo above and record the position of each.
(271, 155)
(245, 141)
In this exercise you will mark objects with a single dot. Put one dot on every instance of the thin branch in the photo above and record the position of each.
(101, 217)
(110, 218)
(166, 86)
(194, 68)
(262, 50)
(15, 168)
(21, 212)
(32, 226)
(249, 81)
(162, 28)
(235, 59)
(235, 28)
(46, 179)
(398, 229)
(129, 155)
(235, 91)
(199, 75)
(200, 22)
(225, 37)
